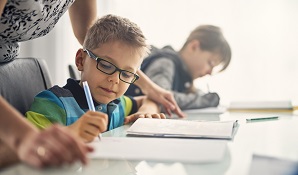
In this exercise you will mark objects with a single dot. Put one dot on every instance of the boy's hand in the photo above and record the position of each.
(134, 117)
(90, 125)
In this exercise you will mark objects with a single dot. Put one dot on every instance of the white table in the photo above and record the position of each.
(278, 138)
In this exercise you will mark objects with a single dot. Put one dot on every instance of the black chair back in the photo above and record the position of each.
(22, 79)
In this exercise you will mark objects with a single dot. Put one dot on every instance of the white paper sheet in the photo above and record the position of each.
(159, 149)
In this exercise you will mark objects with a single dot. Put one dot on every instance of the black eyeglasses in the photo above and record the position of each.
(109, 68)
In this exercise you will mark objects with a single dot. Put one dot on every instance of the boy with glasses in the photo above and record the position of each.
(113, 52)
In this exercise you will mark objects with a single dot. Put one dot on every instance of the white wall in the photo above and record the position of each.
(263, 35)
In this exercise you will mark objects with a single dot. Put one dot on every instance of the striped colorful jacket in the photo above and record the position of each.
(67, 104)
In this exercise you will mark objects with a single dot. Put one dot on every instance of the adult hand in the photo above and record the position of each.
(90, 125)
(159, 95)
(53, 146)
(165, 98)
(134, 117)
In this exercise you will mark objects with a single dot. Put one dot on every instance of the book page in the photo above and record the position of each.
(182, 128)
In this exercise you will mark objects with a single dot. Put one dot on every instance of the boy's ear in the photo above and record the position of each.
(194, 45)
(80, 59)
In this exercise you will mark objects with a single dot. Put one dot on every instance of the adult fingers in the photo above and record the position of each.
(55, 151)
(169, 112)
(74, 146)
(34, 161)
(168, 105)
(176, 109)
(178, 112)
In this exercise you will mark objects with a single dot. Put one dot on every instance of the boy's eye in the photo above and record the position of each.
(105, 65)
(126, 74)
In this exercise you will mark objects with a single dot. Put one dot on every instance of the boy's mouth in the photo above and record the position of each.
(107, 90)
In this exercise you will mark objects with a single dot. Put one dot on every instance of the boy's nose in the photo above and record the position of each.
(209, 71)
(114, 77)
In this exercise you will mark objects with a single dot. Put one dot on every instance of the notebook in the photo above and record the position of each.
(272, 105)
(182, 128)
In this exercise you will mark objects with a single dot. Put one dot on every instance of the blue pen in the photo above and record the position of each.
(89, 98)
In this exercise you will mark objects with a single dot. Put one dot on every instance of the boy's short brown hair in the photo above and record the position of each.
(110, 28)
(211, 39)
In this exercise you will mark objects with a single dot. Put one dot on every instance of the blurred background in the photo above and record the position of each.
(263, 35)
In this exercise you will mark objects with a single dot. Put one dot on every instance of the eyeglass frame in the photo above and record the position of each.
(98, 59)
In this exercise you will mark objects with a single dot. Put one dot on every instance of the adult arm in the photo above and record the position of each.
(162, 73)
(158, 94)
(2, 5)
(82, 14)
(146, 109)
(53, 146)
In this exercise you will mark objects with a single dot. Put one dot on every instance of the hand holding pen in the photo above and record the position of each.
(92, 123)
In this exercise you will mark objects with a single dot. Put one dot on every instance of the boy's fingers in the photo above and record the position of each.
(92, 130)
(162, 116)
(87, 137)
(126, 120)
(98, 123)
(148, 116)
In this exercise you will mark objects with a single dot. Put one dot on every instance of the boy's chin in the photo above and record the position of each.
(104, 101)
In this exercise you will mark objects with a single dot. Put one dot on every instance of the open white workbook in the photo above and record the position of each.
(183, 128)
(159, 149)
(271, 105)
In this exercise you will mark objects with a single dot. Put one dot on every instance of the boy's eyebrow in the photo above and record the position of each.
(112, 60)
